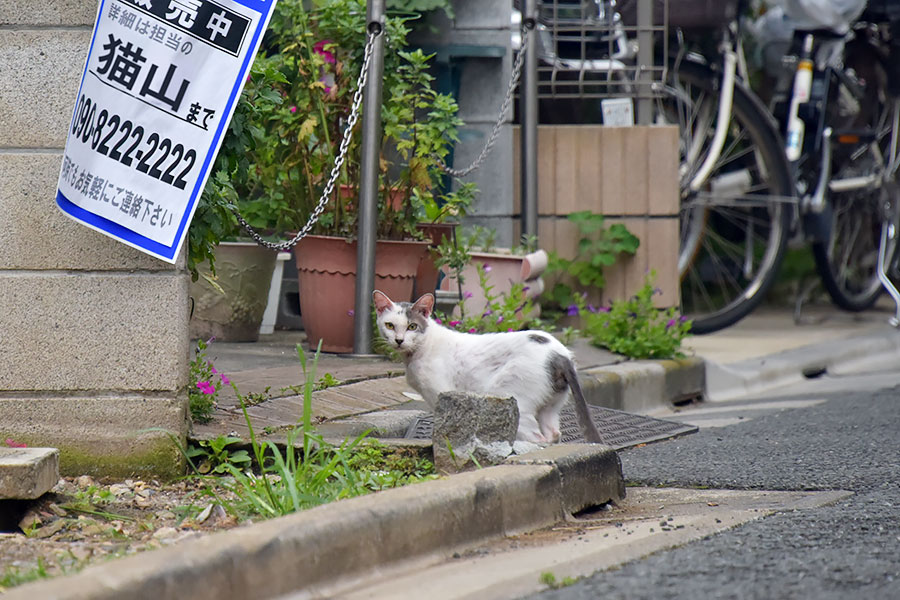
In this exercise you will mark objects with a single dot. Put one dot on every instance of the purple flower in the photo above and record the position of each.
(473, 330)
(487, 268)
(605, 309)
(454, 323)
(500, 319)
(572, 310)
(671, 323)
(206, 387)
(210, 340)
(350, 313)
(225, 379)
(438, 321)
(487, 313)
(212, 368)
(467, 295)
(511, 329)
(657, 291)
(683, 319)
(592, 308)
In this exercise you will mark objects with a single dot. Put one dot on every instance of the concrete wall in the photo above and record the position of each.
(93, 334)
(475, 45)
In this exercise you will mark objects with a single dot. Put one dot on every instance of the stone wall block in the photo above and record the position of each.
(62, 331)
(37, 235)
(37, 103)
(55, 12)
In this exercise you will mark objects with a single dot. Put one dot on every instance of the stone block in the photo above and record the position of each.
(37, 235)
(495, 186)
(472, 430)
(89, 331)
(27, 473)
(482, 89)
(58, 12)
(37, 102)
(481, 14)
(104, 434)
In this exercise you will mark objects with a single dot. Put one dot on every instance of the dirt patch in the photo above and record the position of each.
(82, 521)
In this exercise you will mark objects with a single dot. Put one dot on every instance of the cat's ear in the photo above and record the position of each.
(425, 305)
(382, 302)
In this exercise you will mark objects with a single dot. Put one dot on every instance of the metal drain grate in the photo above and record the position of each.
(618, 429)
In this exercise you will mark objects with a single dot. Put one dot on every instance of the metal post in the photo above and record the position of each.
(528, 104)
(645, 60)
(368, 185)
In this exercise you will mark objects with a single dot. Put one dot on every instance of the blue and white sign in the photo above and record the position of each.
(159, 87)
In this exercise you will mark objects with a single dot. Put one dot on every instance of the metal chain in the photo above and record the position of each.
(513, 82)
(336, 169)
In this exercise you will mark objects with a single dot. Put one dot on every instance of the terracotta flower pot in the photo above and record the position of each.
(326, 278)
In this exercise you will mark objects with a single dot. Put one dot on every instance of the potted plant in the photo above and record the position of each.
(286, 133)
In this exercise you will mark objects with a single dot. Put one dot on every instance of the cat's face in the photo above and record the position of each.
(401, 324)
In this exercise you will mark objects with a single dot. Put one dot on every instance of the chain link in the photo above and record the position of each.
(513, 82)
(336, 169)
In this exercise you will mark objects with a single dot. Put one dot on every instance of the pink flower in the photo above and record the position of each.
(11, 443)
(438, 321)
(454, 323)
(467, 295)
(293, 109)
(225, 379)
(487, 268)
(206, 387)
(350, 313)
(510, 329)
(473, 330)
(214, 372)
(327, 55)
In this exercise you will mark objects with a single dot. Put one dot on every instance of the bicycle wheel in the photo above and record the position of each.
(735, 228)
(847, 261)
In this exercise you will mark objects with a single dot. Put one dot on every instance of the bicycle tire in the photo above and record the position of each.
(847, 262)
(723, 278)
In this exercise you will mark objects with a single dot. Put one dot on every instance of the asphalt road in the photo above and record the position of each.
(848, 550)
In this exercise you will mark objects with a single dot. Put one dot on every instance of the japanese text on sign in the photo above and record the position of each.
(159, 86)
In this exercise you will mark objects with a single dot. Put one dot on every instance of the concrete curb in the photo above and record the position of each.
(353, 537)
(756, 375)
(644, 386)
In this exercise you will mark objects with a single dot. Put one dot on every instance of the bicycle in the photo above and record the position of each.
(736, 187)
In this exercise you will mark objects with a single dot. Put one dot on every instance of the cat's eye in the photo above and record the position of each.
(412, 326)
(389, 326)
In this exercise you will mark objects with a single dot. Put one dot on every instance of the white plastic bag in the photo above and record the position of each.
(836, 15)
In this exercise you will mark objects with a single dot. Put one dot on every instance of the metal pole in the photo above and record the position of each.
(645, 60)
(368, 185)
(528, 103)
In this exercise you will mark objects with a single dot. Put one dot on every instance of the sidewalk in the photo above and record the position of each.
(766, 349)
(295, 555)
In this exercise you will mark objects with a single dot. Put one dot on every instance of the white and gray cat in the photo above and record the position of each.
(532, 366)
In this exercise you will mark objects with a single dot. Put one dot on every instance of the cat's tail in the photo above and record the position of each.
(581, 408)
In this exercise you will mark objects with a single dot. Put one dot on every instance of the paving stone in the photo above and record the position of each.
(27, 473)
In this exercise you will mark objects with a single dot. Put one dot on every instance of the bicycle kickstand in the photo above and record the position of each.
(889, 233)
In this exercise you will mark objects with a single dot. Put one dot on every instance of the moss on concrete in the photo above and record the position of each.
(150, 457)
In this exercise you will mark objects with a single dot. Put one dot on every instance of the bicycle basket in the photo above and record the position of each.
(685, 14)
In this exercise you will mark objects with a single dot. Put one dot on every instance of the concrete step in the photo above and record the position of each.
(27, 473)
